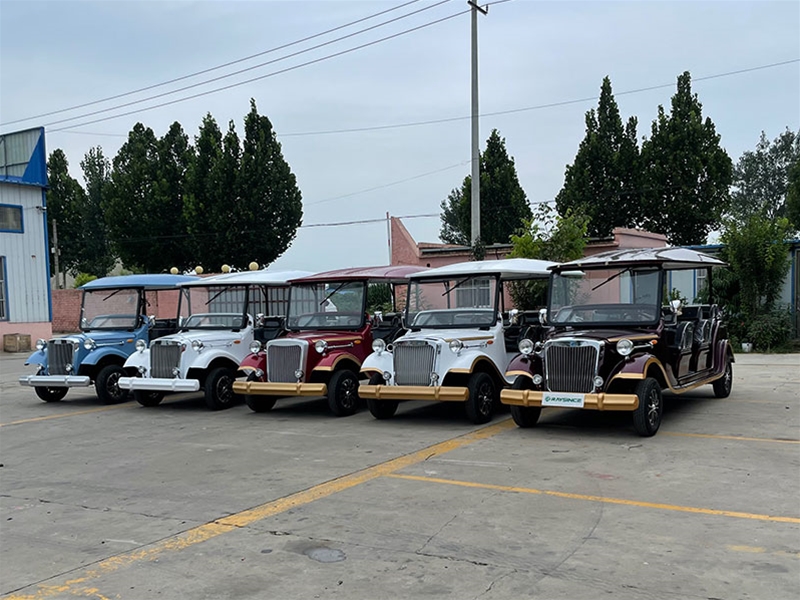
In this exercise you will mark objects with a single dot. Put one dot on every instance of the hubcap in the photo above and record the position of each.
(224, 390)
(485, 399)
(653, 406)
(728, 376)
(347, 393)
(112, 385)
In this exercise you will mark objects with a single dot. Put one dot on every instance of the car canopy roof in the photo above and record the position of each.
(665, 258)
(158, 281)
(387, 274)
(506, 268)
(260, 277)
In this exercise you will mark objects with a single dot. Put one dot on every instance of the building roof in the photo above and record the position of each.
(387, 274)
(506, 268)
(667, 258)
(159, 281)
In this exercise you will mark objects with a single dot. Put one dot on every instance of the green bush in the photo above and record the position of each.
(83, 278)
(768, 330)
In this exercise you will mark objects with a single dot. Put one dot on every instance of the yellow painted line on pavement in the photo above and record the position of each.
(659, 506)
(730, 437)
(70, 414)
(246, 517)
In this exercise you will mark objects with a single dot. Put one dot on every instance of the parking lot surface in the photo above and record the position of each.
(178, 502)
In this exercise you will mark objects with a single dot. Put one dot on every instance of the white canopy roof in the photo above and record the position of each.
(261, 277)
(507, 268)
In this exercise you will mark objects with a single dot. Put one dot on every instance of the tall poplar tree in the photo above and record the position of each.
(96, 257)
(65, 197)
(504, 206)
(603, 181)
(686, 173)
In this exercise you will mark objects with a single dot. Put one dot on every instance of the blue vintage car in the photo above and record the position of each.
(113, 320)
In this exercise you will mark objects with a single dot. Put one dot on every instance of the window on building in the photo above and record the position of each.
(701, 282)
(10, 218)
(3, 292)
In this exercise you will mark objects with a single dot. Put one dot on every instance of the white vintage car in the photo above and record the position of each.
(216, 333)
(459, 342)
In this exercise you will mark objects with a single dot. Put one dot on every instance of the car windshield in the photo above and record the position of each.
(332, 305)
(110, 309)
(216, 307)
(621, 296)
(467, 302)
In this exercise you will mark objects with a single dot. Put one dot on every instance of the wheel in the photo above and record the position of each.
(107, 385)
(524, 416)
(219, 388)
(723, 385)
(482, 398)
(260, 404)
(148, 399)
(647, 417)
(381, 409)
(51, 394)
(343, 393)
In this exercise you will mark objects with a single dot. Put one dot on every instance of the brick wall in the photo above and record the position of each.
(66, 310)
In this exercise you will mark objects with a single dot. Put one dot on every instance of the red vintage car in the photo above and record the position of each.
(329, 335)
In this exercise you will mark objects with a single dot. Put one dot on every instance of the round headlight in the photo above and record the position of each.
(89, 344)
(456, 346)
(255, 347)
(598, 382)
(41, 345)
(141, 345)
(537, 379)
(525, 346)
(378, 346)
(434, 378)
(320, 346)
(298, 374)
(197, 345)
(387, 376)
(624, 347)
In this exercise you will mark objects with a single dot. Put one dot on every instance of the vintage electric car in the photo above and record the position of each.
(113, 320)
(217, 327)
(460, 338)
(330, 335)
(616, 341)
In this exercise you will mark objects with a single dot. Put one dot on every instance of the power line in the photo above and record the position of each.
(536, 107)
(218, 67)
(324, 58)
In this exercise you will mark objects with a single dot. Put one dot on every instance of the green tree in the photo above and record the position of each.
(144, 207)
(65, 197)
(761, 177)
(96, 257)
(602, 182)
(686, 173)
(793, 196)
(504, 205)
(546, 236)
(267, 206)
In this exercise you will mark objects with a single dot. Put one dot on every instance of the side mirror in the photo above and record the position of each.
(676, 306)
(84, 322)
(151, 321)
(513, 316)
(543, 316)
(181, 321)
(377, 317)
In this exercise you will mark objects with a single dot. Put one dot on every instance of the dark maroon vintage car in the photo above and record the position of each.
(615, 340)
(329, 336)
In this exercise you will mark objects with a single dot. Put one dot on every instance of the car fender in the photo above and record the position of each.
(253, 362)
(636, 368)
(203, 359)
(37, 358)
(525, 365)
(138, 359)
(331, 360)
(98, 355)
(378, 363)
(465, 363)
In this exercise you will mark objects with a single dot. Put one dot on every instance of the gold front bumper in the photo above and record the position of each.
(283, 390)
(414, 392)
(599, 401)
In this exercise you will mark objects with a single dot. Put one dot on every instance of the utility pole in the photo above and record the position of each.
(475, 203)
(55, 250)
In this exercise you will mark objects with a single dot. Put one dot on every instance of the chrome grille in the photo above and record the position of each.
(59, 353)
(413, 363)
(164, 357)
(571, 366)
(282, 362)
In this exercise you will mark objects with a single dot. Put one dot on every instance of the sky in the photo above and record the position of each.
(384, 128)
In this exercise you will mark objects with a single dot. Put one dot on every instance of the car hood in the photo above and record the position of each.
(103, 337)
(445, 335)
(604, 334)
(207, 337)
(329, 336)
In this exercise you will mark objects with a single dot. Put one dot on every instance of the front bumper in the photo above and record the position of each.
(282, 390)
(601, 401)
(55, 381)
(436, 393)
(153, 384)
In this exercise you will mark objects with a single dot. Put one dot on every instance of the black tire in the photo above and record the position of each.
(50, 394)
(482, 398)
(723, 385)
(525, 416)
(343, 393)
(647, 416)
(260, 404)
(219, 388)
(381, 409)
(107, 385)
(148, 399)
